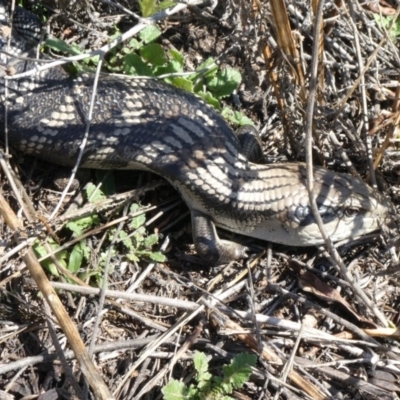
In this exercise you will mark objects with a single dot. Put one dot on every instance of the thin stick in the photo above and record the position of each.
(336, 259)
(71, 332)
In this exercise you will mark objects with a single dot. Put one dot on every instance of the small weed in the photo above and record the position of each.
(136, 243)
(386, 22)
(208, 386)
(142, 56)
(150, 7)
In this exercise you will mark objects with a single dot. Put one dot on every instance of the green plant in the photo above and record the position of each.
(138, 243)
(210, 387)
(150, 7)
(142, 56)
(386, 22)
(135, 243)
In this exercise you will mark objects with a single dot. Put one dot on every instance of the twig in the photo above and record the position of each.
(136, 297)
(337, 261)
(99, 387)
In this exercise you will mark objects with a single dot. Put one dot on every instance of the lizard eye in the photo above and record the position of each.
(351, 212)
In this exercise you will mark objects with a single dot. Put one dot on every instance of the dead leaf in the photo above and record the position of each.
(312, 284)
(383, 8)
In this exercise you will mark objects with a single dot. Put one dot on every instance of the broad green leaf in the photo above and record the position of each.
(157, 256)
(150, 33)
(182, 83)
(154, 54)
(171, 68)
(139, 220)
(93, 193)
(133, 257)
(75, 258)
(134, 207)
(126, 240)
(73, 50)
(203, 376)
(210, 99)
(236, 117)
(174, 390)
(138, 237)
(147, 7)
(150, 241)
(238, 372)
(134, 65)
(177, 56)
(200, 363)
(62, 47)
(226, 387)
(48, 264)
(78, 226)
(225, 82)
(135, 44)
(165, 4)
(208, 65)
(192, 392)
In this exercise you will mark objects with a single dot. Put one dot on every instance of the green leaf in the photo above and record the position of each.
(171, 68)
(154, 54)
(192, 393)
(210, 99)
(147, 7)
(133, 257)
(157, 256)
(75, 228)
(182, 83)
(116, 32)
(236, 117)
(208, 65)
(177, 56)
(226, 387)
(134, 207)
(135, 44)
(78, 226)
(225, 82)
(150, 241)
(73, 50)
(48, 264)
(63, 47)
(150, 33)
(174, 390)
(126, 240)
(138, 237)
(138, 221)
(93, 193)
(238, 372)
(165, 4)
(133, 64)
(200, 363)
(385, 22)
(76, 257)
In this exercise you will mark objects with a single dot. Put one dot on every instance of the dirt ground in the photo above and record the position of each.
(317, 332)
